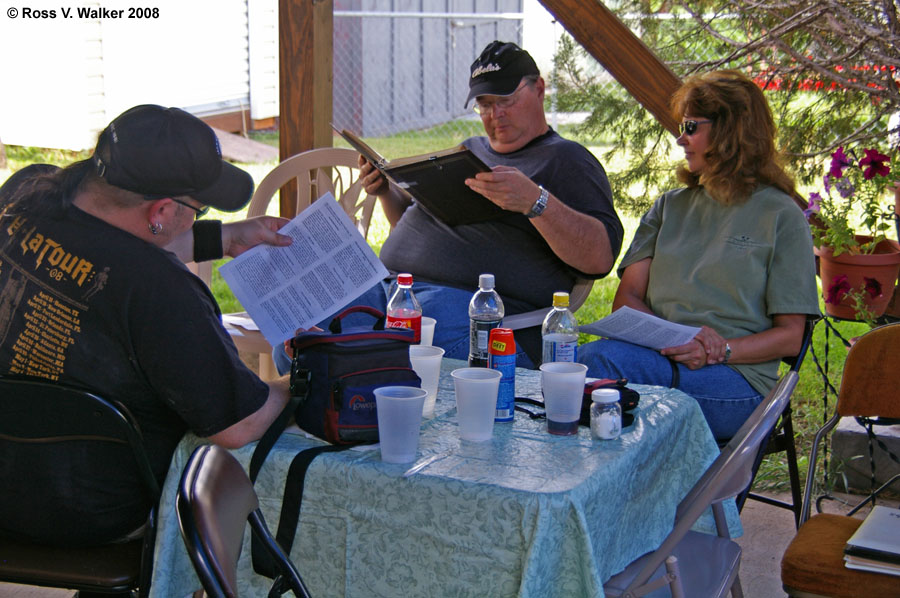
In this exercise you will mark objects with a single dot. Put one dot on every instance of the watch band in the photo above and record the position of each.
(541, 204)
(727, 353)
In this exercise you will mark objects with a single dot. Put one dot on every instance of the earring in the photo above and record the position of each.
(155, 228)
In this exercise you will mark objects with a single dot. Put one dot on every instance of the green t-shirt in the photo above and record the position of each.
(731, 268)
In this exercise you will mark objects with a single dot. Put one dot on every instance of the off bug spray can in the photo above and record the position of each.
(502, 357)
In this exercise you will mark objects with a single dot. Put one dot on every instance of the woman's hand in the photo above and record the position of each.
(692, 355)
(713, 343)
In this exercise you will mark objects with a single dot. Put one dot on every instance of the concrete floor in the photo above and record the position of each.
(767, 532)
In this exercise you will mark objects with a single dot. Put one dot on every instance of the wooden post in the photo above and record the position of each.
(305, 33)
(625, 56)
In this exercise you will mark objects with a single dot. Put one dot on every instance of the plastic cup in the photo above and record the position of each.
(399, 417)
(562, 384)
(427, 334)
(426, 361)
(476, 401)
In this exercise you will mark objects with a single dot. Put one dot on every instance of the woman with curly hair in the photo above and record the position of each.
(730, 253)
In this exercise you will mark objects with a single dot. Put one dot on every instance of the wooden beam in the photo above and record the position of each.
(621, 52)
(305, 33)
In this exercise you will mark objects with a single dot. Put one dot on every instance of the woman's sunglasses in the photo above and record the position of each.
(689, 127)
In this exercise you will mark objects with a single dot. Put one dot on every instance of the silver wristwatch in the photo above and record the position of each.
(541, 204)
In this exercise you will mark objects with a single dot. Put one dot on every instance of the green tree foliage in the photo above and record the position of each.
(830, 70)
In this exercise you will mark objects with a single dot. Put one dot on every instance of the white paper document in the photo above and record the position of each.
(647, 330)
(328, 265)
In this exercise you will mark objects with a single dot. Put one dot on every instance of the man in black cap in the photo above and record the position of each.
(94, 293)
(560, 224)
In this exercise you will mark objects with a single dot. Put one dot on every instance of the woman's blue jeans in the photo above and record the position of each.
(724, 396)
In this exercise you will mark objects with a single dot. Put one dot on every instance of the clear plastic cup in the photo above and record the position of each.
(476, 401)
(427, 335)
(426, 361)
(399, 418)
(562, 384)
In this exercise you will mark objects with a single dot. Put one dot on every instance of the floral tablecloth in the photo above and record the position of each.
(527, 514)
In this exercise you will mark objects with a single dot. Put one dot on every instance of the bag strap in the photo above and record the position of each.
(268, 439)
(335, 326)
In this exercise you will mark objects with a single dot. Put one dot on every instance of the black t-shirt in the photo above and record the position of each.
(86, 303)
(526, 270)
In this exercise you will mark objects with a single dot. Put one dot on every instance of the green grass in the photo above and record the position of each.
(809, 410)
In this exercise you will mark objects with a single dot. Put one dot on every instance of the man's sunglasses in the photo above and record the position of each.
(201, 212)
(689, 127)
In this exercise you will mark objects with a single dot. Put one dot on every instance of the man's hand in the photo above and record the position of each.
(238, 237)
(373, 181)
(507, 187)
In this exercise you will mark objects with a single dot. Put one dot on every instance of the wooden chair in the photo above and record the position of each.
(691, 563)
(47, 428)
(812, 565)
(215, 502)
(316, 172)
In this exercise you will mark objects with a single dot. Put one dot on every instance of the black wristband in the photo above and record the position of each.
(207, 240)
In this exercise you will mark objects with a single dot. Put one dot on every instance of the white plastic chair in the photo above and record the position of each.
(690, 563)
(577, 297)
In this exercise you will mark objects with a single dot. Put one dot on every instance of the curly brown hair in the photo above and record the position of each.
(741, 152)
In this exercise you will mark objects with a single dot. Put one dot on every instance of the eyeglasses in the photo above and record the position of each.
(201, 212)
(689, 127)
(504, 103)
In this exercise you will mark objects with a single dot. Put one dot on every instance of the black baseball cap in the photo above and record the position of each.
(165, 152)
(499, 70)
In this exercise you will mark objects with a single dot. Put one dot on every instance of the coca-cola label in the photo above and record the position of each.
(415, 324)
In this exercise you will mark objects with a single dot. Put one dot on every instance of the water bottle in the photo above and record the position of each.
(559, 333)
(403, 309)
(485, 314)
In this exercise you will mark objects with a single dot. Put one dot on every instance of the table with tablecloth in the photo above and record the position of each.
(525, 514)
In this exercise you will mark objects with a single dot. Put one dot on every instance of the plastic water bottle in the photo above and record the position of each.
(403, 309)
(485, 314)
(559, 333)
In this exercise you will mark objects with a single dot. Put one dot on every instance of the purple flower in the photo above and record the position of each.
(845, 187)
(839, 161)
(814, 206)
(873, 287)
(839, 287)
(875, 161)
(827, 182)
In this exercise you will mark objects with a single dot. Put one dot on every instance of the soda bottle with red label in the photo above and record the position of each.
(403, 309)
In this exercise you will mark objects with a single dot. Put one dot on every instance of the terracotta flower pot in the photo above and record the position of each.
(882, 266)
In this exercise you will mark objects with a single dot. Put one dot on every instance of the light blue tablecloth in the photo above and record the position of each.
(527, 514)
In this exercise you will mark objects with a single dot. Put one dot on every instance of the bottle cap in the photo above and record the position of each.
(605, 395)
(560, 299)
(486, 281)
(502, 342)
(405, 279)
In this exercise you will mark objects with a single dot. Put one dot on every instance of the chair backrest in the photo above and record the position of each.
(52, 435)
(214, 503)
(872, 375)
(317, 171)
(726, 477)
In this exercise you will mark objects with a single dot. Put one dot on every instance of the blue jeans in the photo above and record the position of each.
(448, 305)
(724, 396)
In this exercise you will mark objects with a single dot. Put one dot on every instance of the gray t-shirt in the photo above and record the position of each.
(527, 271)
(727, 267)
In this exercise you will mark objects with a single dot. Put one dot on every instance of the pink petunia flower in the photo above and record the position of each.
(838, 288)
(875, 163)
(839, 161)
(873, 287)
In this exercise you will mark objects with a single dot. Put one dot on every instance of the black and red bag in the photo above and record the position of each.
(334, 374)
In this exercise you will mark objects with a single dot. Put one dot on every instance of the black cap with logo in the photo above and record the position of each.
(165, 152)
(499, 70)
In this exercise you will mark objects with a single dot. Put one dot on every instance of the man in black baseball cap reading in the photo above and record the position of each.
(559, 223)
(93, 274)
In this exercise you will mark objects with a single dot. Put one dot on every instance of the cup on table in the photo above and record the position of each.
(562, 384)
(426, 361)
(476, 401)
(427, 334)
(399, 417)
